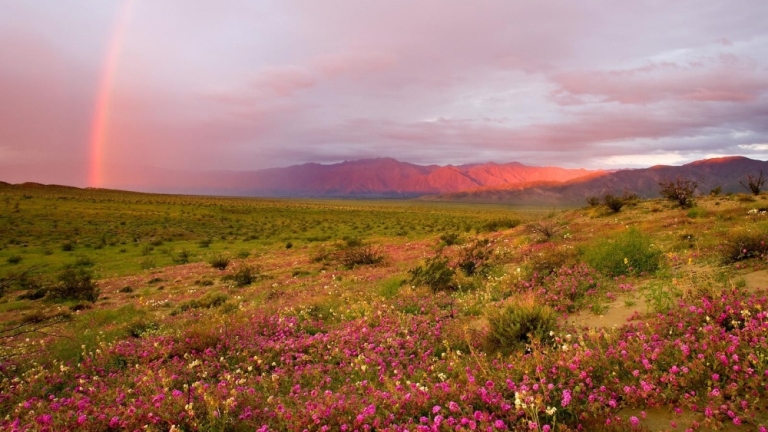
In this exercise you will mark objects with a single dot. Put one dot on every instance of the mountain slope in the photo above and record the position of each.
(710, 173)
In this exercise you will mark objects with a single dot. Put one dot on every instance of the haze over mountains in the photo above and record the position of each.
(388, 178)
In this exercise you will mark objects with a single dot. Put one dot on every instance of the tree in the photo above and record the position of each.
(754, 183)
(679, 190)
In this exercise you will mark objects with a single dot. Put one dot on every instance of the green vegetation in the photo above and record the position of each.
(631, 252)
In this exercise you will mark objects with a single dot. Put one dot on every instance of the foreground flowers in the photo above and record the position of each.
(401, 369)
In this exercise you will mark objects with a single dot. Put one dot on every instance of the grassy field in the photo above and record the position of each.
(125, 311)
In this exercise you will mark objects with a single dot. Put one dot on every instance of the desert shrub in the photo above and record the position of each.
(75, 283)
(545, 229)
(628, 253)
(716, 191)
(13, 259)
(219, 262)
(35, 294)
(148, 263)
(126, 289)
(204, 243)
(436, 273)
(741, 245)
(208, 301)
(450, 239)
(288, 245)
(519, 324)
(545, 258)
(245, 275)
(84, 261)
(593, 201)
(696, 212)
(140, 327)
(243, 254)
(679, 190)
(498, 224)
(67, 246)
(754, 183)
(613, 203)
(476, 257)
(181, 257)
(367, 254)
(565, 289)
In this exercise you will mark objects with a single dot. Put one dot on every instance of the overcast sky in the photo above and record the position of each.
(243, 84)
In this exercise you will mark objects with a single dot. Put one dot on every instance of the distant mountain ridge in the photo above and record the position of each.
(725, 172)
(388, 178)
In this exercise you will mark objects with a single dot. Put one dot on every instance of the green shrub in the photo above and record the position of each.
(13, 259)
(546, 258)
(219, 262)
(631, 252)
(436, 273)
(67, 246)
(140, 327)
(75, 284)
(741, 245)
(613, 203)
(450, 239)
(245, 275)
(182, 257)
(498, 224)
(696, 212)
(661, 296)
(593, 201)
(208, 301)
(519, 324)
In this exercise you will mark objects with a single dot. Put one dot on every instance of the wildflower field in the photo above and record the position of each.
(127, 311)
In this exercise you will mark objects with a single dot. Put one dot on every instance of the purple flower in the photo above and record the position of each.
(634, 421)
(566, 398)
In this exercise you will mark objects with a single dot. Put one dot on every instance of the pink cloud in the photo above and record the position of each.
(726, 79)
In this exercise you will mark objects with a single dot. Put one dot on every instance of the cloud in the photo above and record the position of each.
(725, 79)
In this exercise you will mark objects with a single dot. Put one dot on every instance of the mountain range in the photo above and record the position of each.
(489, 182)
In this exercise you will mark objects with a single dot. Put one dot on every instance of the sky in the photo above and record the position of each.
(86, 86)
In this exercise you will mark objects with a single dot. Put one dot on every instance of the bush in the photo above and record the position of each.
(544, 230)
(566, 289)
(182, 257)
(475, 258)
(67, 246)
(450, 239)
(519, 324)
(219, 262)
(13, 259)
(716, 191)
(245, 275)
(593, 201)
(628, 253)
(208, 301)
(436, 273)
(743, 245)
(546, 258)
(613, 203)
(351, 257)
(498, 224)
(75, 284)
(754, 183)
(679, 190)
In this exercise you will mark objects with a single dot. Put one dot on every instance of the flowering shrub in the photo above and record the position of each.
(743, 245)
(564, 289)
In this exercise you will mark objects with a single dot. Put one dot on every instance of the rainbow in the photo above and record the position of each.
(99, 125)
